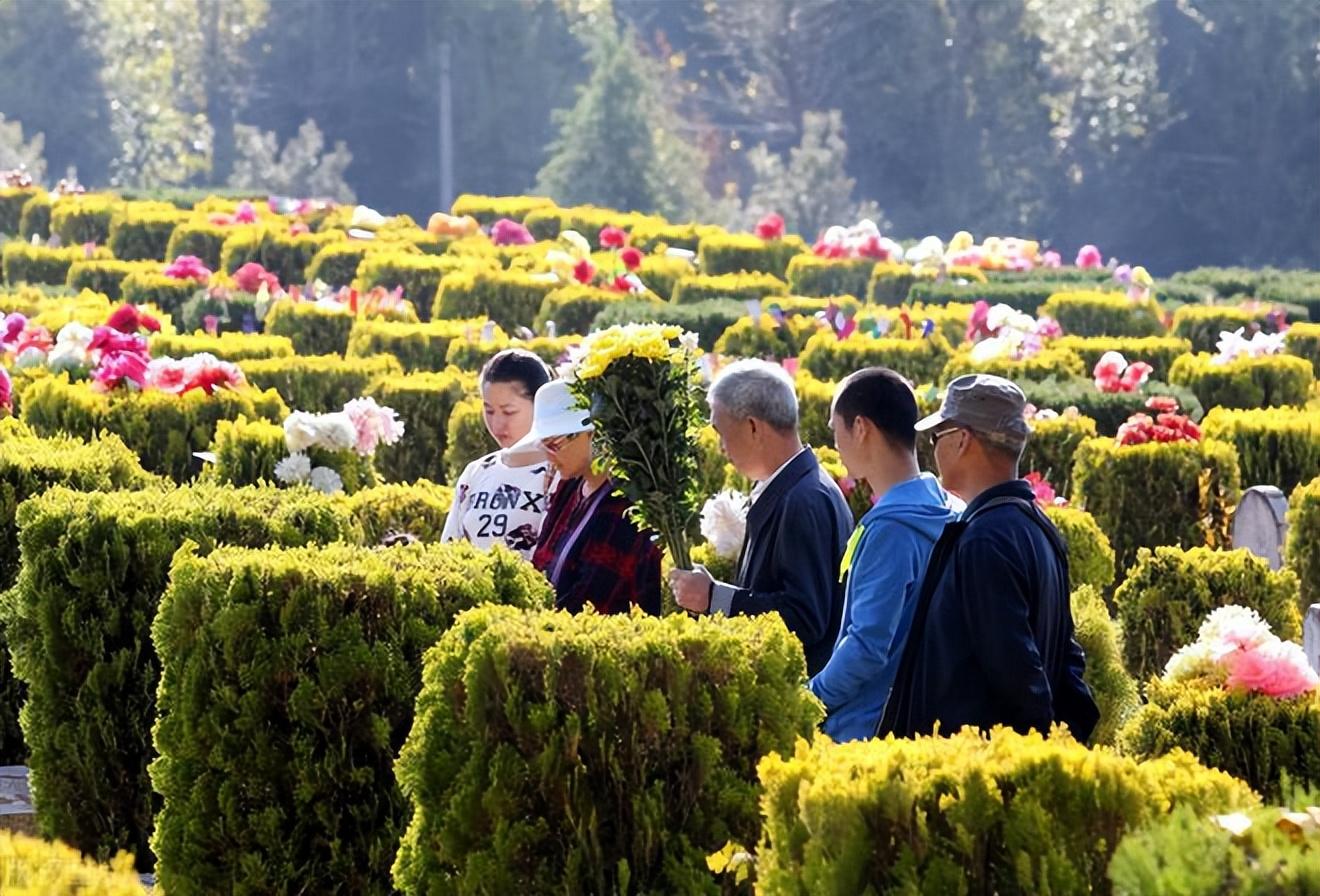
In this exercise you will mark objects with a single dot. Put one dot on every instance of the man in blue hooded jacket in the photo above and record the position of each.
(873, 418)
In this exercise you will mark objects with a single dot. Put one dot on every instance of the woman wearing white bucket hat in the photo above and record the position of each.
(588, 549)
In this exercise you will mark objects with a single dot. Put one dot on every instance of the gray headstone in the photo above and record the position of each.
(1311, 636)
(1260, 524)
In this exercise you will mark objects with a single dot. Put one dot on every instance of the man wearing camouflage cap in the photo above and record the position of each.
(992, 638)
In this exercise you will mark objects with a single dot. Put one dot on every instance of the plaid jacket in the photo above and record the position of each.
(612, 564)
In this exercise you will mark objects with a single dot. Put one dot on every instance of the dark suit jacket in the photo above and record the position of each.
(796, 534)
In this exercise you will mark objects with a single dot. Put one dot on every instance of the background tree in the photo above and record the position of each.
(303, 168)
(15, 152)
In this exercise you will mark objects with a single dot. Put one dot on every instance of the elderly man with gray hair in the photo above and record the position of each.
(798, 524)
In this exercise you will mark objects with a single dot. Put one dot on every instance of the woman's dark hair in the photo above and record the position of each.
(516, 365)
(883, 397)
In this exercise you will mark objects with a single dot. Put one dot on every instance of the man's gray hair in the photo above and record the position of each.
(753, 388)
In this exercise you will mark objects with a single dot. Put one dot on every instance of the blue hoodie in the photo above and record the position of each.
(889, 551)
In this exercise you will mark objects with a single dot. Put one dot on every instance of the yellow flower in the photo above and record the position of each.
(601, 349)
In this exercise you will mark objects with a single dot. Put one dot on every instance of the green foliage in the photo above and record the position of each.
(1256, 738)
(418, 508)
(416, 346)
(708, 318)
(466, 437)
(857, 494)
(202, 239)
(1090, 556)
(163, 429)
(1202, 324)
(280, 253)
(890, 283)
(815, 398)
(349, 625)
(1021, 294)
(1303, 547)
(34, 867)
(650, 236)
(660, 274)
(141, 231)
(35, 218)
(337, 262)
(1101, 639)
(1303, 340)
(589, 220)
(623, 749)
(1051, 447)
(1279, 447)
(152, 288)
(83, 218)
(419, 275)
(1170, 591)
(78, 623)
(1265, 382)
(312, 328)
(489, 209)
(809, 275)
(574, 307)
(1048, 363)
(743, 287)
(510, 298)
(12, 200)
(766, 338)
(1158, 351)
(1008, 814)
(472, 355)
(24, 263)
(424, 402)
(319, 383)
(1226, 283)
(1161, 493)
(1104, 314)
(742, 253)
(1109, 410)
(246, 452)
(105, 276)
(827, 357)
(227, 346)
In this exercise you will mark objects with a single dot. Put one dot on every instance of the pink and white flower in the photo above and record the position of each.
(375, 425)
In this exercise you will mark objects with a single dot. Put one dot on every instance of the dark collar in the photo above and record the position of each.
(1013, 488)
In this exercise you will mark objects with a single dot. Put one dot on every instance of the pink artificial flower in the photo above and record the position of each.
(251, 275)
(245, 214)
(631, 257)
(109, 341)
(1135, 376)
(298, 228)
(1051, 259)
(167, 375)
(208, 373)
(34, 337)
(770, 227)
(375, 425)
(6, 390)
(978, 323)
(14, 325)
(829, 250)
(1089, 257)
(1123, 274)
(188, 267)
(1042, 489)
(613, 238)
(1165, 404)
(621, 284)
(120, 369)
(211, 324)
(1275, 669)
(505, 232)
(129, 319)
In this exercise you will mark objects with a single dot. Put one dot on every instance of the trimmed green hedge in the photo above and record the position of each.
(1159, 493)
(1052, 446)
(35, 217)
(424, 402)
(79, 628)
(1109, 410)
(660, 274)
(1266, 382)
(744, 253)
(1303, 548)
(472, 356)
(809, 275)
(24, 263)
(547, 222)
(1025, 295)
(1104, 314)
(1011, 814)
(466, 437)
(510, 298)
(417, 346)
(489, 209)
(247, 451)
(1303, 340)
(1275, 447)
(745, 339)
(83, 218)
(418, 275)
(200, 238)
(106, 276)
(1048, 363)
(12, 200)
(1101, 639)
(623, 750)
(283, 255)
(1170, 591)
(827, 357)
(163, 429)
(153, 288)
(574, 307)
(336, 264)
(141, 231)
(417, 508)
(1202, 324)
(305, 799)
(226, 346)
(1158, 351)
(743, 287)
(318, 330)
(319, 383)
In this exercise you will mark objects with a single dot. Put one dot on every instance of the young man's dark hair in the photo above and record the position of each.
(883, 397)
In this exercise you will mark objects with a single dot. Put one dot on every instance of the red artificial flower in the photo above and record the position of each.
(298, 228)
(1162, 403)
(1135, 376)
(584, 271)
(251, 275)
(121, 368)
(210, 378)
(871, 247)
(823, 249)
(613, 238)
(220, 219)
(33, 337)
(770, 227)
(621, 283)
(129, 319)
(631, 257)
(245, 214)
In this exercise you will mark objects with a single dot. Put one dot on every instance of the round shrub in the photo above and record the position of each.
(1158, 351)
(1253, 737)
(1101, 639)
(418, 509)
(141, 231)
(424, 402)
(827, 357)
(1266, 382)
(623, 749)
(744, 253)
(1048, 363)
(1051, 449)
(1109, 410)
(1303, 547)
(349, 626)
(1090, 556)
(1007, 814)
(1170, 591)
(1174, 493)
(1104, 314)
(1279, 447)
(1202, 324)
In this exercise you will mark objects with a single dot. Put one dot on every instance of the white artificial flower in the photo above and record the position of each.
(66, 356)
(1193, 661)
(581, 248)
(690, 342)
(989, 349)
(724, 522)
(1228, 628)
(74, 334)
(300, 431)
(1001, 316)
(366, 217)
(1263, 344)
(335, 431)
(30, 357)
(326, 481)
(1231, 346)
(293, 469)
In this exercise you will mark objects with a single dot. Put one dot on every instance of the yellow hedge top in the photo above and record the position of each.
(225, 346)
(33, 867)
(491, 208)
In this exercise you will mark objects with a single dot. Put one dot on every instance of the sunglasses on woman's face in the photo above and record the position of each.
(555, 443)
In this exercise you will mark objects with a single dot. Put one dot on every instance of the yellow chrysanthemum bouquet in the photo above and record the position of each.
(642, 387)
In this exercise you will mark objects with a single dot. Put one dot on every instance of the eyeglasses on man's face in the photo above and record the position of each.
(936, 436)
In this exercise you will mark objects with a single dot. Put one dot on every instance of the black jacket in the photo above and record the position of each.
(796, 534)
(992, 636)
